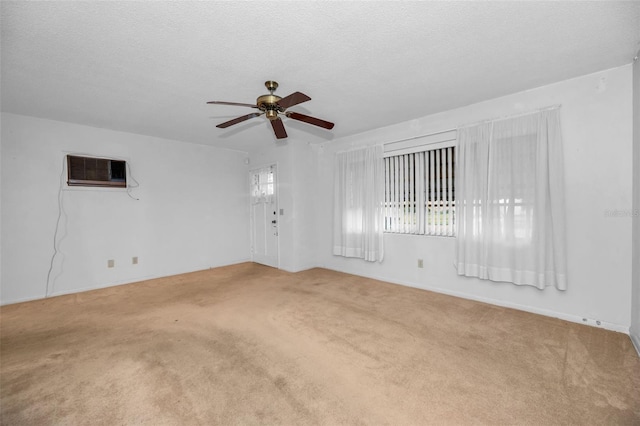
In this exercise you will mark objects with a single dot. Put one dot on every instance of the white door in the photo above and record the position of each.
(264, 216)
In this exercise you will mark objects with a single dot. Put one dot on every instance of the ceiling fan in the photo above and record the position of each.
(272, 106)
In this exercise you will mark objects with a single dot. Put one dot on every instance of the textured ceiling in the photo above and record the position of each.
(149, 67)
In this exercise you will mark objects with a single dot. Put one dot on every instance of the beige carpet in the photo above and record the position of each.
(248, 344)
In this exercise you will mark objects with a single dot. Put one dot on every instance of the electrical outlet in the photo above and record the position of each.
(111, 263)
(420, 263)
(134, 260)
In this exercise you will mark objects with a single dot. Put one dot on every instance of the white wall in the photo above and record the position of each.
(192, 212)
(597, 129)
(635, 296)
(296, 163)
(305, 205)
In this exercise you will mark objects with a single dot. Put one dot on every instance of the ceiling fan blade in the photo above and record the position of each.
(293, 99)
(232, 103)
(238, 120)
(311, 120)
(278, 128)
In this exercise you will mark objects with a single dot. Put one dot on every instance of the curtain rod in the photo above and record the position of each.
(466, 125)
(507, 117)
(472, 124)
(419, 137)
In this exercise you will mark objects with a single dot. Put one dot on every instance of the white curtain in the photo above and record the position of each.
(358, 204)
(510, 201)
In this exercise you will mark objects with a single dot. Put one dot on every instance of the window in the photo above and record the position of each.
(420, 192)
(511, 197)
(262, 185)
(90, 171)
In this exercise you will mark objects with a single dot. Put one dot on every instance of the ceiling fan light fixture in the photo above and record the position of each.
(271, 114)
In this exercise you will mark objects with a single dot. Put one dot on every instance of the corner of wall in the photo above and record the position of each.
(634, 329)
(635, 339)
(1, 191)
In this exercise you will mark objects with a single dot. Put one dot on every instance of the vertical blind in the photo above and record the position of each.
(420, 192)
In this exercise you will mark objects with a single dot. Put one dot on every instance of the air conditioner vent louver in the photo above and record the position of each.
(90, 171)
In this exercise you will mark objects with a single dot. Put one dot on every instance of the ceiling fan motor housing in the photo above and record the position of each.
(267, 103)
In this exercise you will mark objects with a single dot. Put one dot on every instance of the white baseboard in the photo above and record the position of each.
(130, 280)
(296, 270)
(635, 339)
(549, 313)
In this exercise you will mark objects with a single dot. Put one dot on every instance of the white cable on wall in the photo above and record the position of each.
(49, 283)
(129, 186)
(55, 234)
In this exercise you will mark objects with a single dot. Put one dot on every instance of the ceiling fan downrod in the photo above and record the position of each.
(271, 86)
